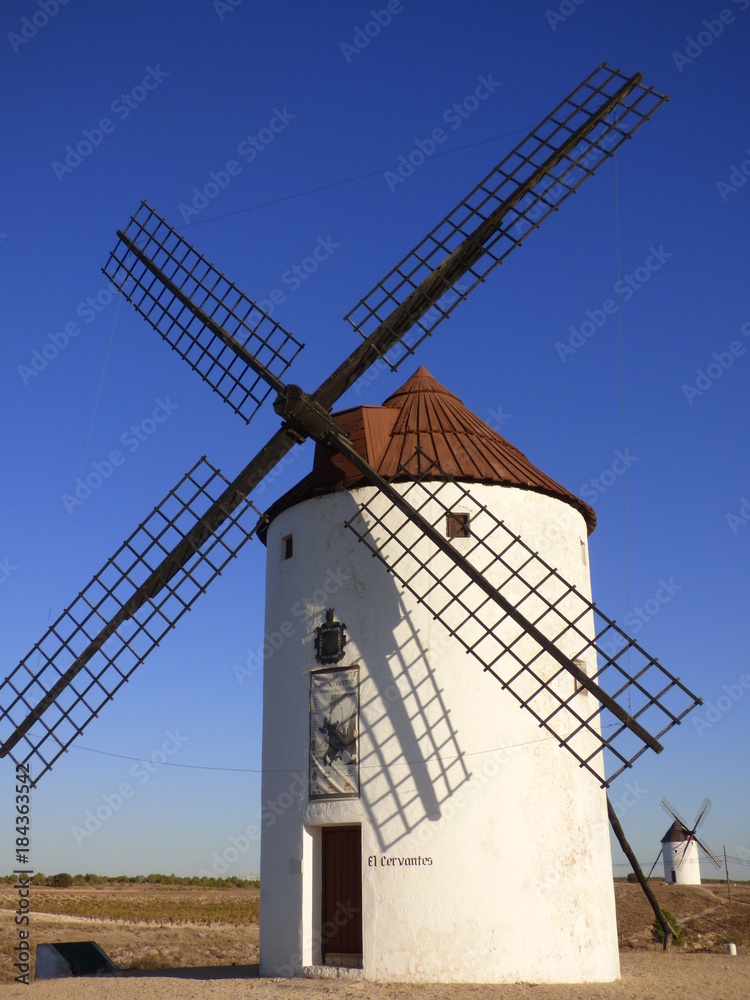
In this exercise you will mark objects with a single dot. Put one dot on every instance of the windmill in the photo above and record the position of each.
(605, 701)
(680, 845)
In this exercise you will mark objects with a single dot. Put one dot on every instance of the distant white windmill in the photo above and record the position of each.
(680, 844)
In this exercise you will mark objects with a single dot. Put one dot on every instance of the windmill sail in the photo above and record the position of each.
(704, 810)
(115, 622)
(551, 163)
(708, 852)
(673, 813)
(223, 335)
(609, 695)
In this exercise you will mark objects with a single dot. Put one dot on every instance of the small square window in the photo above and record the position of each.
(456, 525)
(577, 686)
(287, 546)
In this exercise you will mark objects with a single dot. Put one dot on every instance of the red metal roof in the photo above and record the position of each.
(424, 414)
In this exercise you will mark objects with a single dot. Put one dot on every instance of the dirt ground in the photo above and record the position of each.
(703, 910)
(225, 955)
(646, 975)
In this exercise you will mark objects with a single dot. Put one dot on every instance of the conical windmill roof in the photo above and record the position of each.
(676, 833)
(424, 415)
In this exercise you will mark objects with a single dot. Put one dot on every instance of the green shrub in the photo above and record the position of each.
(679, 931)
(91, 879)
(60, 881)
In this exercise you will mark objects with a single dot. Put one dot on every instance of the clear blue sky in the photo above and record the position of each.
(185, 89)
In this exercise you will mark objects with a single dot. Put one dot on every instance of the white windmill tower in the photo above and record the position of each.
(367, 743)
(679, 847)
(680, 852)
(438, 794)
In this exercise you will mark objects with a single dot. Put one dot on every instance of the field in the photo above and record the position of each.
(152, 927)
(144, 927)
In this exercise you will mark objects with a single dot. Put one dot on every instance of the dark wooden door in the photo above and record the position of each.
(342, 894)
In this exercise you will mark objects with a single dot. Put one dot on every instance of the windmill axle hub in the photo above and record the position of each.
(306, 416)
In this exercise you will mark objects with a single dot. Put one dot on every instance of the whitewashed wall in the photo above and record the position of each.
(513, 877)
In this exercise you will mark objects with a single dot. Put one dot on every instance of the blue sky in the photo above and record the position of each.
(314, 120)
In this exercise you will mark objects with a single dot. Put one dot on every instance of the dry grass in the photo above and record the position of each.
(703, 910)
(143, 927)
(150, 903)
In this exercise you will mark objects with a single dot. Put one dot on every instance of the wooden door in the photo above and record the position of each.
(341, 930)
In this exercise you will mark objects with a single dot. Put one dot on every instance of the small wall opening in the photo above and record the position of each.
(457, 525)
(577, 686)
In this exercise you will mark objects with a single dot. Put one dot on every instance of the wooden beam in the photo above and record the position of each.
(628, 851)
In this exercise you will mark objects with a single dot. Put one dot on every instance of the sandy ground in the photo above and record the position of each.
(646, 975)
